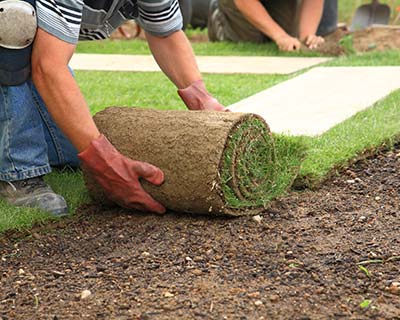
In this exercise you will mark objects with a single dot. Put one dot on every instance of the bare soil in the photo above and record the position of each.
(370, 39)
(300, 261)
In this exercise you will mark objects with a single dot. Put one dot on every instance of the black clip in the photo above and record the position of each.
(130, 9)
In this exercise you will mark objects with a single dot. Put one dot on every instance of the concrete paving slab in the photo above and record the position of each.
(321, 98)
(207, 64)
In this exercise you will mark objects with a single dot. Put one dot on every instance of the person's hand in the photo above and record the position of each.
(313, 41)
(196, 97)
(287, 43)
(119, 176)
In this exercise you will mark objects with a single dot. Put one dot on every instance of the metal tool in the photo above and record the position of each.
(369, 14)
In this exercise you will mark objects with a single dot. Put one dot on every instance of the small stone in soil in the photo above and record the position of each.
(394, 288)
(197, 272)
(168, 294)
(85, 294)
(274, 298)
(258, 303)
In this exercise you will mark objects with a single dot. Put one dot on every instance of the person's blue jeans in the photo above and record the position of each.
(30, 141)
(329, 19)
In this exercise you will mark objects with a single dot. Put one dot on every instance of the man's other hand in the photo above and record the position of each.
(196, 97)
(313, 41)
(119, 176)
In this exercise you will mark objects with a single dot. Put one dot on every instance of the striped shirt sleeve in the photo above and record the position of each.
(159, 17)
(61, 18)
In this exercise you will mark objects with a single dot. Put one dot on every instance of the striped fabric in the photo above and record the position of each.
(70, 20)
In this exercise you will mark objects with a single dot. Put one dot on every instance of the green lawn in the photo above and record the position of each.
(368, 130)
(200, 48)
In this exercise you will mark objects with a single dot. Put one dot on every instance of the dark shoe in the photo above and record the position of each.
(33, 193)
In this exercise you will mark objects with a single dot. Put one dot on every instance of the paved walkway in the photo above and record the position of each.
(207, 64)
(309, 104)
(317, 100)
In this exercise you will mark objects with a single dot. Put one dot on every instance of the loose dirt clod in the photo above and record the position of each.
(370, 39)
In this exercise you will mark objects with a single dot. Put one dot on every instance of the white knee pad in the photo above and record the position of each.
(18, 24)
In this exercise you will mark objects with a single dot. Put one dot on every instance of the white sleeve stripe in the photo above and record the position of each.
(56, 22)
(160, 18)
(70, 12)
(159, 13)
(157, 4)
(50, 9)
(65, 28)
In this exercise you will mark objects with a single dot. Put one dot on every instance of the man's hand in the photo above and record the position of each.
(313, 41)
(196, 97)
(119, 176)
(287, 43)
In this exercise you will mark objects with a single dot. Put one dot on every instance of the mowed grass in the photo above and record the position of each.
(139, 46)
(67, 183)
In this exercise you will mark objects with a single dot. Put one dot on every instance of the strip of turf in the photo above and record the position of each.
(362, 134)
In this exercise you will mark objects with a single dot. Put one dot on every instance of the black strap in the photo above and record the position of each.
(130, 9)
(14, 78)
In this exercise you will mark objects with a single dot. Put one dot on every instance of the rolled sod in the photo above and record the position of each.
(219, 163)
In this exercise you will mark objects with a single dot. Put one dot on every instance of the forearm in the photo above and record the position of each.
(175, 57)
(59, 90)
(66, 105)
(310, 17)
(259, 17)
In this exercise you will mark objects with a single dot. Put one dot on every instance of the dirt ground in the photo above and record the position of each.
(370, 39)
(312, 255)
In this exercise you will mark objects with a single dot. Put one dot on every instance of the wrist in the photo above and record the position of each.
(279, 36)
(97, 151)
(305, 33)
(194, 95)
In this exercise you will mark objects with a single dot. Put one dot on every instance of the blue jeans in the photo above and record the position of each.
(30, 141)
(329, 18)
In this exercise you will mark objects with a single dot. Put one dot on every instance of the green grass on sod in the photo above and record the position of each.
(362, 134)
(368, 130)
(257, 168)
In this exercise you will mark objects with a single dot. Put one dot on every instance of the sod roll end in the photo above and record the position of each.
(218, 163)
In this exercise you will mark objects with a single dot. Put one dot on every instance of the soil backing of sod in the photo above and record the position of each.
(214, 162)
(329, 254)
